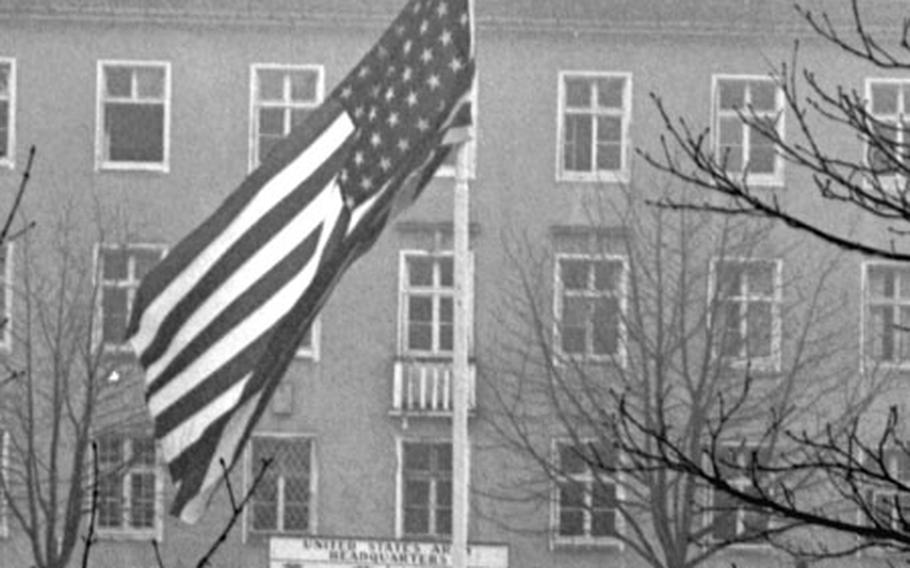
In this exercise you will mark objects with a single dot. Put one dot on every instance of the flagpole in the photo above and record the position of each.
(460, 370)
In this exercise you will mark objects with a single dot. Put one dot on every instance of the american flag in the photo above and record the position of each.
(216, 324)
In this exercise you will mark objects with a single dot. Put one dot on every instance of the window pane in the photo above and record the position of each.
(762, 154)
(114, 311)
(603, 523)
(607, 275)
(416, 521)
(265, 516)
(902, 334)
(763, 95)
(145, 260)
(142, 500)
(444, 494)
(604, 495)
(417, 457)
(731, 131)
(610, 91)
(578, 93)
(110, 502)
(420, 271)
(575, 311)
(4, 80)
(271, 121)
(761, 278)
(882, 332)
(903, 277)
(150, 82)
(724, 516)
(732, 94)
(759, 328)
(729, 278)
(443, 454)
(295, 518)
(881, 281)
(4, 128)
(135, 132)
(571, 495)
(266, 143)
(143, 451)
(884, 98)
(578, 142)
(571, 461)
(303, 86)
(420, 308)
(114, 263)
(298, 116)
(609, 129)
(447, 271)
(271, 85)
(606, 327)
(731, 340)
(574, 274)
(118, 81)
(416, 493)
(609, 157)
(420, 337)
(571, 523)
(444, 521)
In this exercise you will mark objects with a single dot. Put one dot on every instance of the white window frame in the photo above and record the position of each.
(894, 469)
(739, 483)
(250, 471)
(775, 179)
(102, 162)
(865, 315)
(588, 478)
(608, 176)
(131, 284)
(437, 291)
(400, 443)
(620, 357)
(311, 351)
(9, 161)
(770, 363)
(126, 531)
(256, 104)
(895, 182)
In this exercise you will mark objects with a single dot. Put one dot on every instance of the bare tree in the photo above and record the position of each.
(672, 332)
(873, 182)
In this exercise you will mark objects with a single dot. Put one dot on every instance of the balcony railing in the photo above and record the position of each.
(423, 387)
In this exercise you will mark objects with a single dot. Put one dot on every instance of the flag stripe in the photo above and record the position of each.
(181, 281)
(219, 379)
(268, 312)
(234, 272)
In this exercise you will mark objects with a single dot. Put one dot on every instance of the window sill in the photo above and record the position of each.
(151, 167)
(763, 182)
(764, 365)
(611, 177)
(129, 534)
(569, 543)
(7, 164)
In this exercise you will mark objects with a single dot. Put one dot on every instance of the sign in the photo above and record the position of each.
(340, 552)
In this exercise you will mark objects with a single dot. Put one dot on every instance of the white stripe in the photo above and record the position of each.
(189, 431)
(301, 168)
(323, 208)
(254, 325)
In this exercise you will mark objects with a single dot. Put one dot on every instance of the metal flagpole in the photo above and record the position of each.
(461, 456)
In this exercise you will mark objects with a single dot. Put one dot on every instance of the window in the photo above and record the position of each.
(7, 112)
(121, 268)
(282, 97)
(426, 304)
(743, 149)
(733, 520)
(586, 493)
(887, 313)
(426, 488)
(590, 301)
(748, 296)
(889, 107)
(133, 115)
(129, 486)
(890, 506)
(594, 114)
(282, 502)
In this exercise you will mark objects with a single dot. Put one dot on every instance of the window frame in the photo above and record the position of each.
(311, 351)
(102, 160)
(588, 478)
(622, 175)
(866, 320)
(250, 471)
(256, 103)
(770, 363)
(400, 478)
(740, 483)
(126, 531)
(4, 473)
(772, 180)
(9, 160)
(131, 285)
(437, 292)
(897, 181)
(620, 358)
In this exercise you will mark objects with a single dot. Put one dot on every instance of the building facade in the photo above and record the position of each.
(145, 115)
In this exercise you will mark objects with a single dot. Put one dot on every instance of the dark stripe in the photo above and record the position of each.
(240, 308)
(238, 253)
(189, 248)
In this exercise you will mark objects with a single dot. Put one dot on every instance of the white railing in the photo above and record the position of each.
(425, 387)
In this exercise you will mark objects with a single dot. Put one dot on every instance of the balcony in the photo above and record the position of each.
(423, 387)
